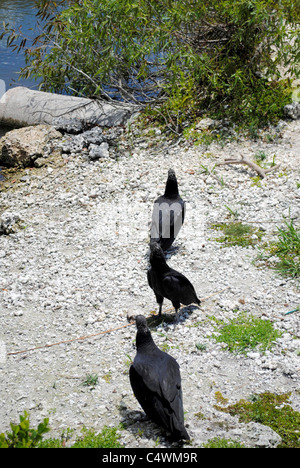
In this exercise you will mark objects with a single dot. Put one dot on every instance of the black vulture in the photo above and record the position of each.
(168, 214)
(167, 282)
(156, 383)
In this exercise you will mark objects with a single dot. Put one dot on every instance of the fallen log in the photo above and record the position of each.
(22, 107)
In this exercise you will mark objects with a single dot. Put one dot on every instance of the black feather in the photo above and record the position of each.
(167, 282)
(156, 383)
(168, 214)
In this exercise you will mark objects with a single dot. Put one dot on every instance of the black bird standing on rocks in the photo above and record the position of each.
(167, 282)
(156, 383)
(168, 214)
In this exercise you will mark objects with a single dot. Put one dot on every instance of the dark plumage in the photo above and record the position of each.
(167, 282)
(156, 383)
(168, 214)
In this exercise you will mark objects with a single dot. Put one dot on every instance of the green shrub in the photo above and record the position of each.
(185, 59)
(22, 436)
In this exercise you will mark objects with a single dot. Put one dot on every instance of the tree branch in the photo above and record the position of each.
(261, 172)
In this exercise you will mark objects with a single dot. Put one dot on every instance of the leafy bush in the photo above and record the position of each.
(187, 59)
(22, 436)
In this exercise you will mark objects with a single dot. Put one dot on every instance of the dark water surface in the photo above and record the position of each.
(17, 13)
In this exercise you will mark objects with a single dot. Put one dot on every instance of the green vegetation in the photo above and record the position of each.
(91, 380)
(223, 443)
(201, 346)
(200, 416)
(271, 410)
(286, 249)
(237, 233)
(246, 332)
(234, 213)
(107, 438)
(261, 157)
(220, 399)
(107, 377)
(181, 60)
(22, 435)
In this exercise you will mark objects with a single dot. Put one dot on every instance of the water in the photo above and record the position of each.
(17, 13)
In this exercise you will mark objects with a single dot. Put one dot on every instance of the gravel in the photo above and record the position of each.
(75, 267)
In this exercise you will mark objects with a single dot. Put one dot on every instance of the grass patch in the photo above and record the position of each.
(201, 346)
(237, 233)
(206, 137)
(283, 255)
(245, 333)
(220, 399)
(287, 250)
(270, 410)
(107, 377)
(22, 435)
(91, 380)
(200, 416)
(107, 438)
(223, 443)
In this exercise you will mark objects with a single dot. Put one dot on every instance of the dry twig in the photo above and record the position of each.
(261, 172)
(82, 338)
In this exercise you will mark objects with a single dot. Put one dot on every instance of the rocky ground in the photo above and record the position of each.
(75, 266)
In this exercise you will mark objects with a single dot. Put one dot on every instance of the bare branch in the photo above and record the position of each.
(261, 172)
